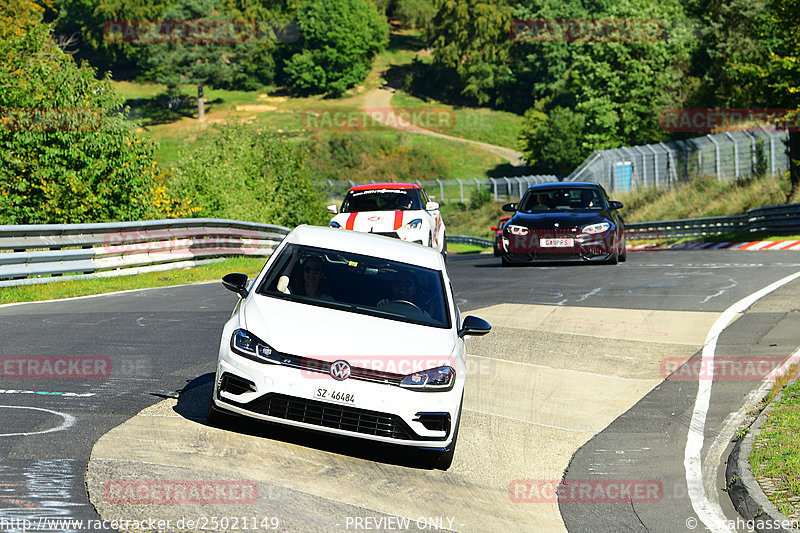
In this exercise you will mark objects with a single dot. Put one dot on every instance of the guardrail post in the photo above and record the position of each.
(735, 154)
(771, 150)
(494, 186)
(753, 149)
(716, 157)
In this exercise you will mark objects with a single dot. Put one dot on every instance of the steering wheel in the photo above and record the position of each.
(406, 302)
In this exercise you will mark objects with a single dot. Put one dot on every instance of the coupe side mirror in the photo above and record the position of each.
(615, 205)
(475, 326)
(333, 210)
(511, 208)
(431, 206)
(236, 282)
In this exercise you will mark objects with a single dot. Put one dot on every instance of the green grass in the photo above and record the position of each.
(478, 124)
(84, 287)
(775, 459)
(466, 248)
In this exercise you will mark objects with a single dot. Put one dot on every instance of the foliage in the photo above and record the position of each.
(67, 152)
(339, 38)
(243, 173)
(375, 156)
(553, 144)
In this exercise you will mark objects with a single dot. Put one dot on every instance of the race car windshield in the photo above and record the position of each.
(566, 199)
(359, 284)
(381, 200)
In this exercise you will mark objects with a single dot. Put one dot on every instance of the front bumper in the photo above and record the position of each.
(376, 411)
(527, 248)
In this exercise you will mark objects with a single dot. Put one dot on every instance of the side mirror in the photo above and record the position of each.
(511, 208)
(473, 325)
(615, 205)
(431, 206)
(494, 228)
(237, 283)
(333, 210)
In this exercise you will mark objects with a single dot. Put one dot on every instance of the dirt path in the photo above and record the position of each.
(381, 98)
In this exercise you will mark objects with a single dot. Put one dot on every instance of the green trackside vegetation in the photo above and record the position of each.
(775, 458)
(68, 288)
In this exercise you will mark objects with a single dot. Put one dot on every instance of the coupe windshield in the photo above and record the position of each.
(381, 200)
(359, 284)
(566, 199)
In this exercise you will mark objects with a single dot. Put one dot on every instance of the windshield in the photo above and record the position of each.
(359, 284)
(566, 199)
(381, 200)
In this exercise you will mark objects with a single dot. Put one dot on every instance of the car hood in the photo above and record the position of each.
(376, 221)
(330, 334)
(549, 219)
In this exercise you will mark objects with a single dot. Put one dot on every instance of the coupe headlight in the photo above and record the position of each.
(517, 230)
(335, 224)
(248, 345)
(414, 224)
(597, 228)
(435, 379)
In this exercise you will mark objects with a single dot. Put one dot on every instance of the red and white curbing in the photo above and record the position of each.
(750, 246)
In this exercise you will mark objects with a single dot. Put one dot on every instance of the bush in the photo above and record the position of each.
(339, 38)
(67, 152)
(243, 173)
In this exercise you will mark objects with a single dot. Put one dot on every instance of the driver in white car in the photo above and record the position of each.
(405, 289)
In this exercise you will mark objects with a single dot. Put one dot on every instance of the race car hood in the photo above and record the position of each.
(376, 221)
(331, 334)
(549, 219)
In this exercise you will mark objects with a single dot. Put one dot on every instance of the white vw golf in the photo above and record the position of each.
(352, 334)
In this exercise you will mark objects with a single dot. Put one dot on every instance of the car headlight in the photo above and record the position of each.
(414, 224)
(438, 379)
(335, 224)
(597, 228)
(517, 230)
(248, 345)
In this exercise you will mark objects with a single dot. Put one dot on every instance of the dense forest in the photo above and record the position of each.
(585, 74)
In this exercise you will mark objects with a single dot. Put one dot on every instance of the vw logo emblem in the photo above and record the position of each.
(340, 370)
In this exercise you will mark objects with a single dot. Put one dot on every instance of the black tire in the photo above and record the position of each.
(445, 459)
(505, 262)
(623, 255)
(613, 258)
(215, 417)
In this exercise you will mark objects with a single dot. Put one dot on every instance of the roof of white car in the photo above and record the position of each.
(366, 244)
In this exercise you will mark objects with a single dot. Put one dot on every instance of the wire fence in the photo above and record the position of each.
(725, 156)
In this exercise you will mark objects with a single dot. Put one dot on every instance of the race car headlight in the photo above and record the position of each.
(596, 228)
(335, 224)
(248, 345)
(435, 379)
(414, 224)
(517, 230)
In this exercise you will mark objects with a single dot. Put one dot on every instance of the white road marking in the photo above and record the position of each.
(711, 515)
(47, 393)
(68, 421)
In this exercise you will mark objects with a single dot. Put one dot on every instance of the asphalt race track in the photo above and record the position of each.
(569, 384)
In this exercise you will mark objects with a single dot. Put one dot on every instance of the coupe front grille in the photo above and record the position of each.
(332, 416)
(392, 234)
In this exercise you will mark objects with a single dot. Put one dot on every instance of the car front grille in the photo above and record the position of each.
(332, 416)
(324, 367)
(392, 234)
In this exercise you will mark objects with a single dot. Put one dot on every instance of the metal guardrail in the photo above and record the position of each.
(781, 219)
(28, 252)
(466, 239)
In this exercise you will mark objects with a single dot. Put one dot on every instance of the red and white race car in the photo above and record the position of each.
(400, 210)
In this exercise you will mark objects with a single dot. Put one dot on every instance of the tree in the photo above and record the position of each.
(67, 152)
(338, 40)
